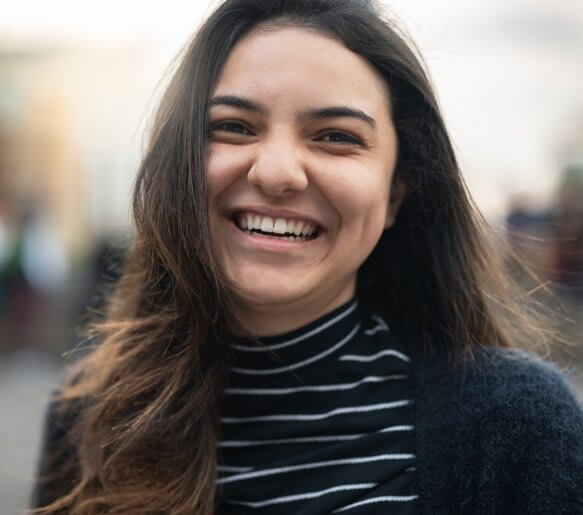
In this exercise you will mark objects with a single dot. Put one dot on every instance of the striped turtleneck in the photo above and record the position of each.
(319, 420)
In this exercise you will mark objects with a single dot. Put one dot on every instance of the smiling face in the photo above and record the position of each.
(301, 156)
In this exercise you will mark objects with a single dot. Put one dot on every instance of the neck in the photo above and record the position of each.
(270, 319)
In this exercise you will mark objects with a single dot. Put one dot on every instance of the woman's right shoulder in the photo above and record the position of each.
(57, 464)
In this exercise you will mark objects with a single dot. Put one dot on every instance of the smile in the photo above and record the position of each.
(280, 228)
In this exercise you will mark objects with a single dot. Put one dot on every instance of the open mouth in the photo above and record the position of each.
(280, 228)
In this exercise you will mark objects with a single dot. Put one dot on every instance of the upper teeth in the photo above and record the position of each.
(276, 226)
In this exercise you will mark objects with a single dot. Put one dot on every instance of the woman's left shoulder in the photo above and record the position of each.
(495, 375)
(518, 381)
(502, 387)
(514, 426)
(515, 389)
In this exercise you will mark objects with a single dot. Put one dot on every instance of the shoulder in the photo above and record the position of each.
(499, 388)
(57, 463)
(494, 377)
(509, 431)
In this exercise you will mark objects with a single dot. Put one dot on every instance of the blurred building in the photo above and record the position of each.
(69, 144)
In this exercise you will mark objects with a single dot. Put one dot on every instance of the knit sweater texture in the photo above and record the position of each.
(502, 433)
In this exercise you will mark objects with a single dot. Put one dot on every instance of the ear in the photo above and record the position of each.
(396, 197)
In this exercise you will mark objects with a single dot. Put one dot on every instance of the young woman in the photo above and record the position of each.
(309, 320)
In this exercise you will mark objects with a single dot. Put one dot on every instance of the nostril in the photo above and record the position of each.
(280, 177)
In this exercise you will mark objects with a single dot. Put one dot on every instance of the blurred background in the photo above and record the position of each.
(78, 83)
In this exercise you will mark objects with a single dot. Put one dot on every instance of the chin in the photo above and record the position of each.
(264, 285)
(268, 295)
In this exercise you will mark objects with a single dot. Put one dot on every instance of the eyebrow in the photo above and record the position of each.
(239, 102)
(339, 112)
(316, 113)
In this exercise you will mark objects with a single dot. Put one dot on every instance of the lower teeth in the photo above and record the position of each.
(288, 238)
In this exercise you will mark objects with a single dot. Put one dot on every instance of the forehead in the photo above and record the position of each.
(297, 65)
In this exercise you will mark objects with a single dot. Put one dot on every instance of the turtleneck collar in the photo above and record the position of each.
(298, 350)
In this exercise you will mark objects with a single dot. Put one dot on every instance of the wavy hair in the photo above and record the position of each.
(145, 401)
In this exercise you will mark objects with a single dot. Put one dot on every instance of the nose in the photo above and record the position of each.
(278, 169)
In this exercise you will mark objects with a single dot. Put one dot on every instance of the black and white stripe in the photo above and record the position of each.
(319, 421)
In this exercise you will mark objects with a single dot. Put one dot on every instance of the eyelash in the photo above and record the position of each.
(230, 126)
(334, 137)
(345, 138)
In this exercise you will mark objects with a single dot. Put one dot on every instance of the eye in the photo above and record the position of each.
(229, 126)
(340, 137)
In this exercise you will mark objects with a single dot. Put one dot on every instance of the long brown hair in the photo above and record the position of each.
(146, 399)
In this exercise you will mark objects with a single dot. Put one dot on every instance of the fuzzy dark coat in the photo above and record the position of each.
(500, 434)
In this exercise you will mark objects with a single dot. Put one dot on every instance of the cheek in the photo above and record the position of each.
(360, 195)
(223, 168)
